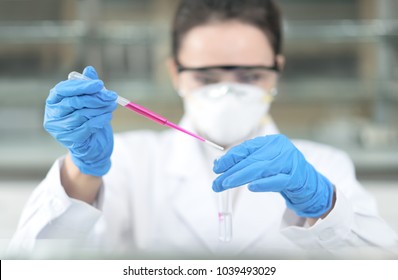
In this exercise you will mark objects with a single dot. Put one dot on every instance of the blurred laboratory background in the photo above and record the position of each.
(339, 87)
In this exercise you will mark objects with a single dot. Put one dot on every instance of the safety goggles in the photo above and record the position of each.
(274, 68)
(260, 75)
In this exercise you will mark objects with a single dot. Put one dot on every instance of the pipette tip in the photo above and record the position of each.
(214, 145)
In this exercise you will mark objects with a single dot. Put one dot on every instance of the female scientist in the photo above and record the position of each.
(161, 193)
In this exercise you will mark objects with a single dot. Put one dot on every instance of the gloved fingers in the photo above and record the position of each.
(86, 114)
(236, 154)
(68, 105)
(94, 124)
(219, 181)
(242, 176)
(269, 160)
(260, 148)
(90, 72)
(251, 173)
(72, 88)
(96, 148)
(249, 170)
(276, 183)
(106, 95)
(57, 120)
(67, 130)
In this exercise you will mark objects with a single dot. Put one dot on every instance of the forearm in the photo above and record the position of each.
(78, 185)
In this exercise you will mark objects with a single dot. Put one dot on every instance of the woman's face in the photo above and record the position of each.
(228, 43)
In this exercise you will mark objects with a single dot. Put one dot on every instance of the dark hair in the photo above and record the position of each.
(263, 14)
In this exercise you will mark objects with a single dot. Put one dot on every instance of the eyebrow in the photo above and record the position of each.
(274, 67)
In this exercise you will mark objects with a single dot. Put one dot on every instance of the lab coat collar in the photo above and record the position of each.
(192, 190)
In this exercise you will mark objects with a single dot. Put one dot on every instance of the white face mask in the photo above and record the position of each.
(227, 113)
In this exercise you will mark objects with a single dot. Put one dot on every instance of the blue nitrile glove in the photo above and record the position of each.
(78, 115)
(273, 164)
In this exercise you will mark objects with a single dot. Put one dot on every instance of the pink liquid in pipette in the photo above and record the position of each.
(147, 113)
(159, 119)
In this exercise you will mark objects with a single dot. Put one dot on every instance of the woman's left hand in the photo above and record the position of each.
(273, 164)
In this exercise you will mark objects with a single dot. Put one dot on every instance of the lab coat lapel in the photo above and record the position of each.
(255, 218)
(254, 213)
(194, 200)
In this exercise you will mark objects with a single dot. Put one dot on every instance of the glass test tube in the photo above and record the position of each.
(224, 216)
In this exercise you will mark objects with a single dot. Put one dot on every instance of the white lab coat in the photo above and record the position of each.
(157, 198)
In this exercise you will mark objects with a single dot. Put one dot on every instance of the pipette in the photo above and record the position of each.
(147, 113)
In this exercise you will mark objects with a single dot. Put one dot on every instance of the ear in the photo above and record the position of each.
(280, 60)
(172, 68)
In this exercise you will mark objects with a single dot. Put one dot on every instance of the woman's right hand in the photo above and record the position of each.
(78, 115)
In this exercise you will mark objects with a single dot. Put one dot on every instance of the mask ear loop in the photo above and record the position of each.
(269, 96)
(273, 91)
(181, 94)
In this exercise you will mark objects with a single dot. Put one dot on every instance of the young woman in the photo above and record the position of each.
(161, 193)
